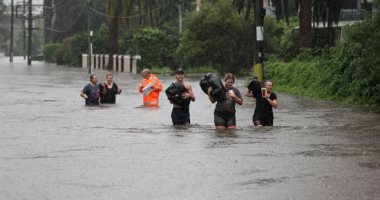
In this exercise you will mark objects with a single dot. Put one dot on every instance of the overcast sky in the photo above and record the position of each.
(7, 2)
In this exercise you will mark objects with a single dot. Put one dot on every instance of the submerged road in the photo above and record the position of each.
(53, 147)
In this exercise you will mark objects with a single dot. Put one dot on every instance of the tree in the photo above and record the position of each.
(306, 32)
(3, 32)
(114, 10)
(310, 11)
(216, 36)
(64, 18)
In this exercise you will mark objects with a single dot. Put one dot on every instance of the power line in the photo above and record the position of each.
(128, 17)
(63, 31)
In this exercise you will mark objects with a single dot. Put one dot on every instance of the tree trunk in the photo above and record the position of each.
(198, 3)
(48, 17)
(113, 24)
(305, 31)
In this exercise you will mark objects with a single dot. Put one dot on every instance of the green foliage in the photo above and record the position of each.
(4, 34)
(100, 40)
(71, 51)
(350, 72)
(156, 47)
(72, 48)
(217, 36)
(49, 52)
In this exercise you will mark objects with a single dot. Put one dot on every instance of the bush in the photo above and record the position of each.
(217, 36)
(349, 72)
(156, 47)
(49, 52)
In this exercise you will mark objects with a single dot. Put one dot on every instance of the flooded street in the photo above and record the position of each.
(54, 147)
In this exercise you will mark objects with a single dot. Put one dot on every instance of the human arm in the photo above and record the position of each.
(209, 95)
(272, 102)
(141, 86)
(83, 93)
(249, 93)
(189, 94)
(235, 97)
(118, 89)
(157, 86)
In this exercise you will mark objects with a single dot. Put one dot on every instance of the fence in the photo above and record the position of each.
(121, 63)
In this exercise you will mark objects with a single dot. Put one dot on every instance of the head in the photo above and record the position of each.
(146, 73)
(179, 74)
(229, 80)
(93, 79)
(268, 84)
(109, 78)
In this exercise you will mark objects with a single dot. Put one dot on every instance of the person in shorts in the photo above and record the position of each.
(224, 113)
(181, 112)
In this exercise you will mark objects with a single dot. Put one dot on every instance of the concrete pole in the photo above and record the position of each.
(23, 29)
(258, 68)
(30, 24)
(12, 22)
(127, 64)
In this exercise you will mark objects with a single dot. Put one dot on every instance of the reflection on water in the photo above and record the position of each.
(54, 147)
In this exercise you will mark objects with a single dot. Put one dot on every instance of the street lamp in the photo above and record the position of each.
(89, 37)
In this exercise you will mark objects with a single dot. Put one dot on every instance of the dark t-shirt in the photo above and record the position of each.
(108, 95)
(229, 104)
(263, 108)
(92, 92)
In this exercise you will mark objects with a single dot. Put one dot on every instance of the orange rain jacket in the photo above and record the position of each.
(152, 98)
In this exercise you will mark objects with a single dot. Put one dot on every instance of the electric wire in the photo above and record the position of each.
(131, 16)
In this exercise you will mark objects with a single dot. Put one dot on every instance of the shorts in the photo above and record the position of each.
(224, 118)
(180, 116)
(263, 121)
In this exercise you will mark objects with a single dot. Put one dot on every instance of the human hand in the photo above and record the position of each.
(231, 94)
(186, 95)
(209, 90)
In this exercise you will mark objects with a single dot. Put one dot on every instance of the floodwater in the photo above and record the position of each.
(53, 147)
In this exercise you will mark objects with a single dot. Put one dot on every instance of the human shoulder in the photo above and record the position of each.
(87, 86)
(236, 91)
(187, 85)
(273, 96)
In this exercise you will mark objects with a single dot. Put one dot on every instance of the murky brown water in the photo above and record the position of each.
(53, 147)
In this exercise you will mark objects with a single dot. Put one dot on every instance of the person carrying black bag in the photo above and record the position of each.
(180, 94)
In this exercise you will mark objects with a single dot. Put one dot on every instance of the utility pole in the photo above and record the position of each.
(89, 38)
(258, 68)
(30, 24)
(12, 23)
(23, 30)
(180, 17)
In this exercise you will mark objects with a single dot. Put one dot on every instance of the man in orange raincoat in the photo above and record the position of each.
(151, 87)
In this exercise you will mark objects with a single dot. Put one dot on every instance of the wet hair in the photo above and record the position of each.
(147, 71)
(109, 74)
(266, 81)
(229, 76)
(92, 76)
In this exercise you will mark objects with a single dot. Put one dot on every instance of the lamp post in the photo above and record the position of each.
(89, 37)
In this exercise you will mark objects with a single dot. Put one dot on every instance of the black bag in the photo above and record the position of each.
(213, 81)
(174, 93)
(255, 87)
